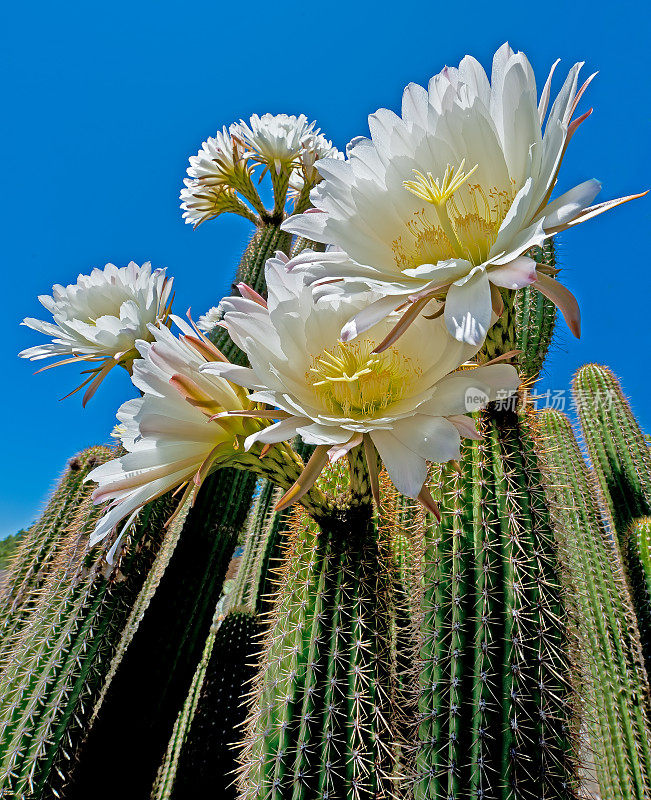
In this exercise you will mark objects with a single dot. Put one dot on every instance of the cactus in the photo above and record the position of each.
(615, 689)
(172, 630)
(58, 659)
(32, 560)
(167, 643)
(535, 318)
(319, 724)
(494, 703)
(620, 456)
(642, 533)
(199, 758)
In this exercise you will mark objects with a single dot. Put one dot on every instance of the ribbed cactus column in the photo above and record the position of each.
(201, 757)
(494, 705)
(320, 726)
(33, 558)
(155, 670)
(614, 688)
(58, 660)
(621, 460)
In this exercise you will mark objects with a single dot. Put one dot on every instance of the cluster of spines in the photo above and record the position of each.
(621, 460)
(612, 681)
(494, 701)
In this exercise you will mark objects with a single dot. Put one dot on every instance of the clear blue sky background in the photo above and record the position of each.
(103, 104)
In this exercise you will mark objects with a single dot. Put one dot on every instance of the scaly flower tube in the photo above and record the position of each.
(100, 318)
(446, 201)
(408, 402)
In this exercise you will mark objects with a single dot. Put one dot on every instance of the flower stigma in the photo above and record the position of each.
(352, 381)
(468, 216)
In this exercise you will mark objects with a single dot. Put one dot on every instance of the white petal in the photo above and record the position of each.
(514, 275)
(468, 309)
(406, 469)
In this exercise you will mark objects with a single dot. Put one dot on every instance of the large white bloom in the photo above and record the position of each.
(101, 317)
(447, 200)
(337, 395)
(167, 432)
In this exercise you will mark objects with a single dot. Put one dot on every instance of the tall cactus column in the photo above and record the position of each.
(494, 705)
(622, 463)
(320, 725)
(169, 640)
(201, 759)
(614, 685)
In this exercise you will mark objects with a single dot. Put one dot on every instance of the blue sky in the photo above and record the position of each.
(104, 104)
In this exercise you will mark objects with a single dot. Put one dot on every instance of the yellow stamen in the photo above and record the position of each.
(349, 379)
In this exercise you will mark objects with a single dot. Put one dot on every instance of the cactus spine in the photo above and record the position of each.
(614, 686)
(621, 460)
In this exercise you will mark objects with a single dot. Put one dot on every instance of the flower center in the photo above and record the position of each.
(466, 222)
(352, 381)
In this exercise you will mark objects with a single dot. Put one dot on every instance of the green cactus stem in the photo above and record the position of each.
(59, 658)
(32, 560)
(642, 533)
(319, 724)
(201, 759)
(495, 709)
(151, 681)
(614, 686)
(620, 457)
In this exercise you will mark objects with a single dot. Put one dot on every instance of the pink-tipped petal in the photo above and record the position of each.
(428, 502)
(497, 301)
(250, 294)
(594, 211)
(406, 320)
(339, 450)
(465, 425)
(312, 470)
(563, 299)
(108, 366)
(516, 274)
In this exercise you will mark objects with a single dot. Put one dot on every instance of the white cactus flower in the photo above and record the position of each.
(100, 318)
(446, 201)
(276, 140)
(170, 441)
(336, 395)
(305, 173)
